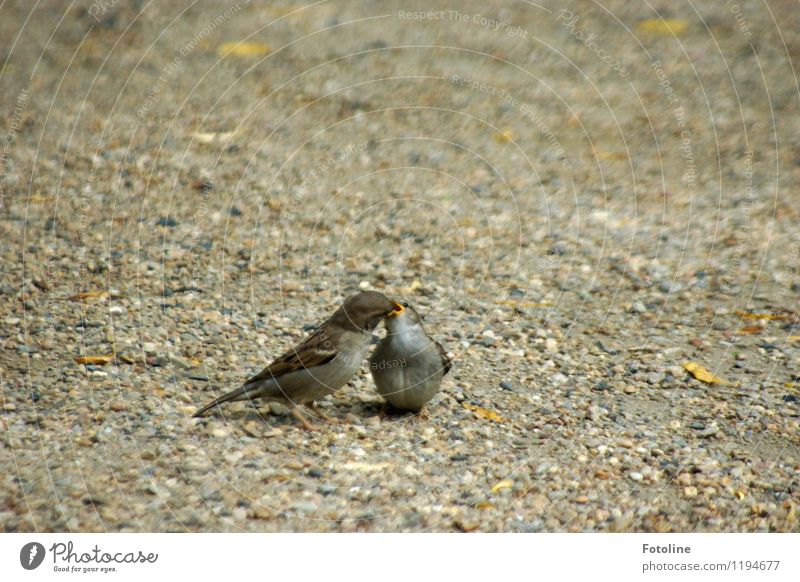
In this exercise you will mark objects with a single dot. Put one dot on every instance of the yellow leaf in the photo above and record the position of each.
(751, 329)
(748, 315)
(211, 137)
(484, 505)
(603, 155)
(529, 304)
(483, 412)
(94, 360)
(415, 284)
(504, 136)
(466, 526)
(504, 484)
(243, 49)
(37, 199)
(89, 295)
(702, 374)
(793, 338)
(660, 26)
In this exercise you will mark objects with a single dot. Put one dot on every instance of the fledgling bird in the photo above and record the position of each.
(408, 366)
(322, 363)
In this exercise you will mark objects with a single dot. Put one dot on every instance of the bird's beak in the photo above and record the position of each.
(398, 309)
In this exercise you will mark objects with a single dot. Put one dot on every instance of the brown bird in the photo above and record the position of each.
(320, 364)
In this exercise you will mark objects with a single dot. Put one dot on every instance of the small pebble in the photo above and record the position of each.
(239, 514)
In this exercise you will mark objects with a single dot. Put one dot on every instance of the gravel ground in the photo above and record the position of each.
(580, 202)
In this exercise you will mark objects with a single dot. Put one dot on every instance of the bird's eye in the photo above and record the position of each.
(405, 304)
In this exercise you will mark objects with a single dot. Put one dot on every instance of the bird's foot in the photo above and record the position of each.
(322, 415)
(421, 416)
(303, 420)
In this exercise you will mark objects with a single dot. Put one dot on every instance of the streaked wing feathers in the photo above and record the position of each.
(446, 362)
(316, 350)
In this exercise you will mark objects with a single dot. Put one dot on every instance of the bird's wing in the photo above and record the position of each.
(316, 350)
(446, 362)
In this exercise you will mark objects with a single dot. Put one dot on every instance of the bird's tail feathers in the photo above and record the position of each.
(237, 394)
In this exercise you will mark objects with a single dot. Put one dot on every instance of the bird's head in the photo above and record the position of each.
(403, 317)
(364, 310)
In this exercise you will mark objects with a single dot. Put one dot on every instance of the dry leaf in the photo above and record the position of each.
(528, 304)
(751, 329)
(484, 505)
(36, 199)
(88, 295)
(504, 484)
(603, 155)
(243, 49)
(466, 526)
(748, 315)
(41, 284)
(791, 512)
(365, 467)
(702, 374)
(666, 27)
(211, 137)
(483, 412)
(793, 338)
(415, 284)
(504, 136)
(278, 11)
(94, 360)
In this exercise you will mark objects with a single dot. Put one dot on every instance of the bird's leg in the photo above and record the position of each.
(384, 411)
(302, 419)
(322, 415)
(421, 416)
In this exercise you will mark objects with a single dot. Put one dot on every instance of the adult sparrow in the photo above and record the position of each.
(408, 366)
(320, 364)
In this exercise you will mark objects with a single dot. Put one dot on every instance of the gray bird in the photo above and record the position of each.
(408, 366)
(322, 363)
